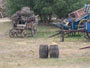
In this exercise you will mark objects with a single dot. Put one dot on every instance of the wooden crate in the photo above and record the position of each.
(78, 13)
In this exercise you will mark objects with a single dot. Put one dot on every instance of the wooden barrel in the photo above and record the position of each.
(54, 51)
(43, 51)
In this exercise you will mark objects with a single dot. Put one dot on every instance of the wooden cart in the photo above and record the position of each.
(23, 30)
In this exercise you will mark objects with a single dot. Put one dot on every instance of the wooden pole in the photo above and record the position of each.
(62, 37)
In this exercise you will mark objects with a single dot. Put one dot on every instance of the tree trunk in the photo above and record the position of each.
(49, 18)
(45, 18)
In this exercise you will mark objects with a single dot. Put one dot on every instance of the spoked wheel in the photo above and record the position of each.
(33, 31)
(15, 35)
(81, 24)
(12, 33)
(24, 33)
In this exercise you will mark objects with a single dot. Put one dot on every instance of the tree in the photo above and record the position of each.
(45, 8)
(14, 5)
(66, 6)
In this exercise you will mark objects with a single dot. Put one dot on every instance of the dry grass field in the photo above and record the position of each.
(23, 52)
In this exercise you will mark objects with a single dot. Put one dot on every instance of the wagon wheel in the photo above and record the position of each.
(11, 34)
(33, 30)
(35, 27)
(24, 33)
(81, 24)
(15, 34)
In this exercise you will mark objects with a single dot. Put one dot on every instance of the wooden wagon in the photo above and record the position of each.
(23, 30)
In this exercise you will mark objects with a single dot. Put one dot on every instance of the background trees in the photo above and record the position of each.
(63, 7)
(14, 5)
(46, 8)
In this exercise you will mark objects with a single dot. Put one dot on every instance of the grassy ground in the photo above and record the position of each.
(23, 52)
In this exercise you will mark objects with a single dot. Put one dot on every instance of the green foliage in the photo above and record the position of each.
(45, 8)
(14, 5)
(63, 7)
